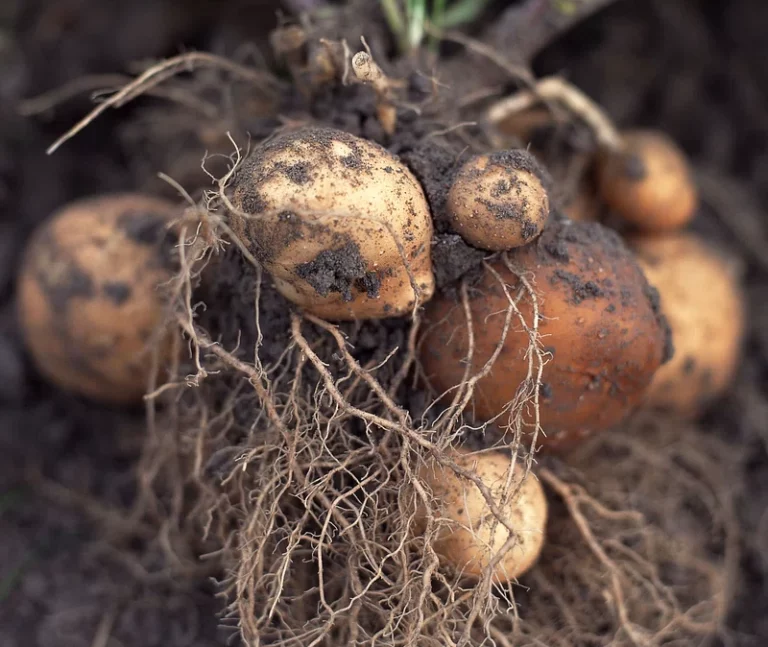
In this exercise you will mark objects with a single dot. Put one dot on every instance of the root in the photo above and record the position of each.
(161, 72)
(558, 90)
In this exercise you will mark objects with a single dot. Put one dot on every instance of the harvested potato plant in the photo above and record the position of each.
(371, 281)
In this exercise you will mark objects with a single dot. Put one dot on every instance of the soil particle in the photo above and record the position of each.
(582, 290)
(452, 258)
(339, 270)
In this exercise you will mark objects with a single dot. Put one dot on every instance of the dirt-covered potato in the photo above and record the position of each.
(648, 183)
(340, 223)
(599, 321)
(88, 298)
(702, 299)
(469, 535)
(498, 201)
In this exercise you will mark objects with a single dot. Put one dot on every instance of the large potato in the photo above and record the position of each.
(88, 294)
(599, 323)
(342, 225)
(469, 536)
(702, 299)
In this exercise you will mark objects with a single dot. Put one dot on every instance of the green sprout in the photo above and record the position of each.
(408, 19)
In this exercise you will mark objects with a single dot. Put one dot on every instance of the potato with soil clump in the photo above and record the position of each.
(599, 323)
(469, 535)
(704, 304)
(498, 201)
(340, 223)
(88, 295)
(647, 182)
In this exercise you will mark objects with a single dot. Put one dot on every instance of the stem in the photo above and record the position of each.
(460, 13)
(437, 17)
(417, 15)
(394, 18)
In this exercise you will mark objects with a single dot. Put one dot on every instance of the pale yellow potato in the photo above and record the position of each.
(704, 305)
(648, 183)
(498, 201)
(342, 225)
(89, 298)
(469, 536)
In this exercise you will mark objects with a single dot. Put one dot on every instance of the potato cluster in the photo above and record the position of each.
(89, 301)
(641, 182)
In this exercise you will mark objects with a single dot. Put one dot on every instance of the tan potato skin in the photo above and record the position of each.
(648, 184)
(599, 322)
(470, 535)
(88, 298)
(316, 191)
(705, 307)
(496, 205)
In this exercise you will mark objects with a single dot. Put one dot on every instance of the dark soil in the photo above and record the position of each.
(690, 67)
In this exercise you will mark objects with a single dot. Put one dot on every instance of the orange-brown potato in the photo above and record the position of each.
(498, 201)
(469, 536)
(599, 321)
(648, 183)
(703, 301)
(342, 225)
(88, 298)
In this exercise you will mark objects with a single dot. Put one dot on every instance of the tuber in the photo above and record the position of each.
(341, 224)
(88, 298)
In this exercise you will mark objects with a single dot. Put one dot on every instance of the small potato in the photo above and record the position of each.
(703, 301)
(88, 298)
(599, 322)
(648, 183)
(341, 224)
(498, 201)
(470, 535)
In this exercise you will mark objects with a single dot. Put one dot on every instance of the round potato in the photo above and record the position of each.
(648, 183)
(88, 298)
(498, 201)
(599, 323)
(343, 227)
(469, 535)
(703, 301)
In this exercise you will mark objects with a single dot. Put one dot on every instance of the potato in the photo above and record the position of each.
(498, 201)
(599, 322)
(469, 535)
(648, 183)
(88, 298)
(342, 225)
(703, 301)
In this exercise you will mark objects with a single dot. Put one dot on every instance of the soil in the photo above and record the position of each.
(692, 68)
